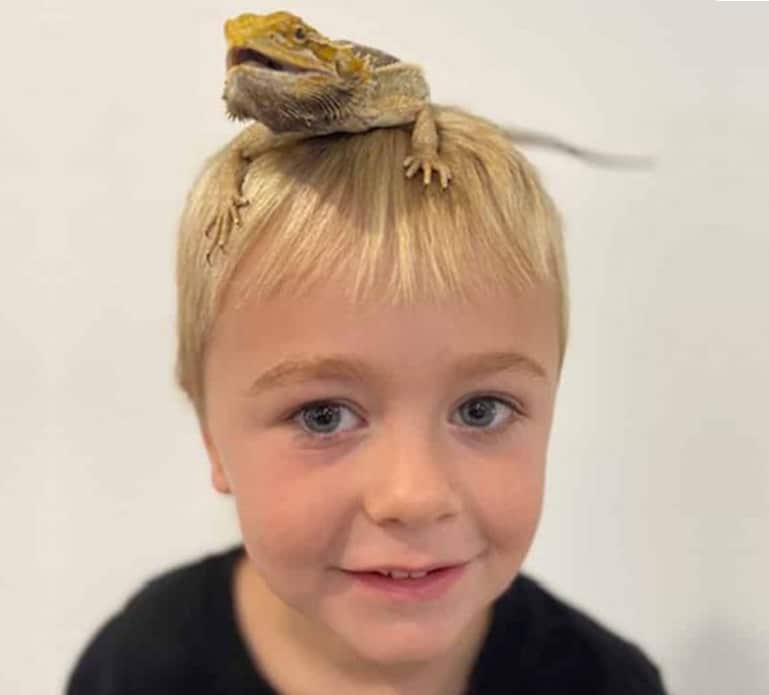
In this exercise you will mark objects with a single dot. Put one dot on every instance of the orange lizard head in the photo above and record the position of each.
(287, 75)
(281, 41)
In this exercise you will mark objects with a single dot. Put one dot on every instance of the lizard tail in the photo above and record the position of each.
(530, 137)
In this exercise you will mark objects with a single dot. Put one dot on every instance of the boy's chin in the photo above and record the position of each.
(400, 645)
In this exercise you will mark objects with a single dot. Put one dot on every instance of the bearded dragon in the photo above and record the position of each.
(296, 83)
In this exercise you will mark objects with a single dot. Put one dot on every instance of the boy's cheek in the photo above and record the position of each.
(285, 524)
(515, 522)
(509, 505)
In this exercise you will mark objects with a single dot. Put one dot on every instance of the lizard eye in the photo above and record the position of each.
(299, 34)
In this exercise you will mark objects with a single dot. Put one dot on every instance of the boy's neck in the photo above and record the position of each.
(298, 667)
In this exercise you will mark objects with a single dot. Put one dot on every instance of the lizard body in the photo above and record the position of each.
(296, 83)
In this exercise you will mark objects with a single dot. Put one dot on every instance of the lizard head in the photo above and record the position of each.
(278, 55)
(283, 41)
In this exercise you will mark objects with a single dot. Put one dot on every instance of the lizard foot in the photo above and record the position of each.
(427, 161)
(225, 218)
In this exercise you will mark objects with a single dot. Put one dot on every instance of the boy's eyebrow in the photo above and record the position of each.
(295, 371)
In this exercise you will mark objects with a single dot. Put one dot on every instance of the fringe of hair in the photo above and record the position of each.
(341, 204)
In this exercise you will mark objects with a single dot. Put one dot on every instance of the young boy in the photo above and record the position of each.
(374, 365)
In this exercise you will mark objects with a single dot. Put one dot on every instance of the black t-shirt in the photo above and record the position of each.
(178, 635)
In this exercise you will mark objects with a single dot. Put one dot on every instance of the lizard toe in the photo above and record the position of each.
(445, 174)
(413, 166)
(428, 162)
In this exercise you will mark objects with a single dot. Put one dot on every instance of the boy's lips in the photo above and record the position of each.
(423, 586)
(407, 568)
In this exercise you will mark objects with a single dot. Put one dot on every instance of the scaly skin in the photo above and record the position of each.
(296, 83)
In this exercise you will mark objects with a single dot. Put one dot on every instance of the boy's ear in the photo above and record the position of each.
(218, 474)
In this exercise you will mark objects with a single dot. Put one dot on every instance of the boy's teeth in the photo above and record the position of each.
(402, 575)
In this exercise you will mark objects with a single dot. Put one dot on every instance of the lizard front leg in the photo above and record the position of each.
(424, 145)
(231, 169)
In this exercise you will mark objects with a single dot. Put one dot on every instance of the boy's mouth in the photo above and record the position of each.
(403, 572)
(399, 574)
(420, 585)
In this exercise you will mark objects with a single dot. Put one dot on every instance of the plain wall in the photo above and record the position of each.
(657, 502)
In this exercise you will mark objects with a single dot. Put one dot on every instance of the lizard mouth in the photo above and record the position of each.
(239, 56)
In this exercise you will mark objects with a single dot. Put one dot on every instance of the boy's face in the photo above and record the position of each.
(424, 466)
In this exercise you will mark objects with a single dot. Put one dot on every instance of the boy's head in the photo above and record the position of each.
(435, 323)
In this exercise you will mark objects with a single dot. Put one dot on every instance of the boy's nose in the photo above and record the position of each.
(410, 483)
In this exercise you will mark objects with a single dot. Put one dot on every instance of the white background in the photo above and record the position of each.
(657, 507)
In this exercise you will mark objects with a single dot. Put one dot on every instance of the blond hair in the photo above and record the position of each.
(341, 202)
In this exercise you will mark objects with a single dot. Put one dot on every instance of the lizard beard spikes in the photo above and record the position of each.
(288, 102)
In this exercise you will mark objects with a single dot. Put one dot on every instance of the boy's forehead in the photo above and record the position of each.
(325, 333)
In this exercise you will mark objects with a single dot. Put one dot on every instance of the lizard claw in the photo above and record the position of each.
(225, 219)
(427, 162)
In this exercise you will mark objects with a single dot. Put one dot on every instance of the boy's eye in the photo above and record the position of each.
(320, 419)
